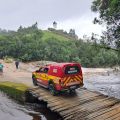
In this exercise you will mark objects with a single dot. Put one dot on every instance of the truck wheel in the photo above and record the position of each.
(52, 89)
(34, 81)
(72, 92)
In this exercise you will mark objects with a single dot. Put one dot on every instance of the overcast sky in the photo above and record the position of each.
(68, 14)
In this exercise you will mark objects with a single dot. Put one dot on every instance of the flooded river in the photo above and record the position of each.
(10, 110)
(106, 83)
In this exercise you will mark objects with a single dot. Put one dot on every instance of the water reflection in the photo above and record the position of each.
(13, 111)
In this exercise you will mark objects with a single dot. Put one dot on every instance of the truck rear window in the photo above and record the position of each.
(72, 70)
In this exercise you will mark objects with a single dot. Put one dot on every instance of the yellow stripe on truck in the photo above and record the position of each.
(67, 80)
(78, 79)
(80, 76)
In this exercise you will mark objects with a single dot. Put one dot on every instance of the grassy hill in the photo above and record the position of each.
(49, 34)
(33, 44)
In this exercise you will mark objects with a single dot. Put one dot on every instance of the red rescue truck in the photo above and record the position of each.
(59, 77)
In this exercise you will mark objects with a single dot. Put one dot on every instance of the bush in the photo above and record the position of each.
(8, 59)
(27, 44)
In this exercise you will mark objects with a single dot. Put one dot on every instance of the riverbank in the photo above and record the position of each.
(14, 90)
(19, 94)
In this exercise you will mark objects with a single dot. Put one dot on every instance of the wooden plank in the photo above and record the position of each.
(74, 105)
(72, 110)
(114, 117)
(58, 104)
(117, 117)
(108, 114)
(102, 111)
(85, 105)
(98, 104)
(81, 107)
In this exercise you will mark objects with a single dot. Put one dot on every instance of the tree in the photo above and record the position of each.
(109, 11)
(72, 33)
(31, 44)
(35, 26)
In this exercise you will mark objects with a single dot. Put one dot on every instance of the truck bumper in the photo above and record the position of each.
(66, 88)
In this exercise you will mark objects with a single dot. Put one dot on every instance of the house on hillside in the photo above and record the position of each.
(54, 25)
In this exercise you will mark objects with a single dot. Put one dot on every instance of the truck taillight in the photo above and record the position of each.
(82, 78)
(59, 81)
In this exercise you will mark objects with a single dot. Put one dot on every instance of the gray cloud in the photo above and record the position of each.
(16, 12)
(68, 13)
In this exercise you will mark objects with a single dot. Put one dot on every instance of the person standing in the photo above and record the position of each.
(17, 64)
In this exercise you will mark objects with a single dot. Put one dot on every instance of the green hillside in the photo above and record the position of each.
(33, 44)
(49, 34)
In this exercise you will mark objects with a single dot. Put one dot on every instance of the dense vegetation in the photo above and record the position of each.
(109, 14)
(31, 44)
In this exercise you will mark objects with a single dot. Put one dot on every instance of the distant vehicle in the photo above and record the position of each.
(1, 68)
(59, 77)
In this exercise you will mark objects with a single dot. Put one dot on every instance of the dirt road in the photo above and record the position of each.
(10, 73)
(23, 74)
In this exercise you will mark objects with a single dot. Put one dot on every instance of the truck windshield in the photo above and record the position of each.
(72, 70)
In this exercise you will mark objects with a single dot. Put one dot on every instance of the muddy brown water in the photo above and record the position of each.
(106, 83)
(11, 110)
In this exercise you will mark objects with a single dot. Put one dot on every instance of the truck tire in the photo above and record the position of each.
(34, 81)
(71, 92)
(52, 89)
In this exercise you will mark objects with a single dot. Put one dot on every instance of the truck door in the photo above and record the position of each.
(44, 76)
(39, 75)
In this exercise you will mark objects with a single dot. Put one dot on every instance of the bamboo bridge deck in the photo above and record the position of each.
(84, 105)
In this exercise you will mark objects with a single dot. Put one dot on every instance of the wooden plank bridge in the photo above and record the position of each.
(84, 105)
